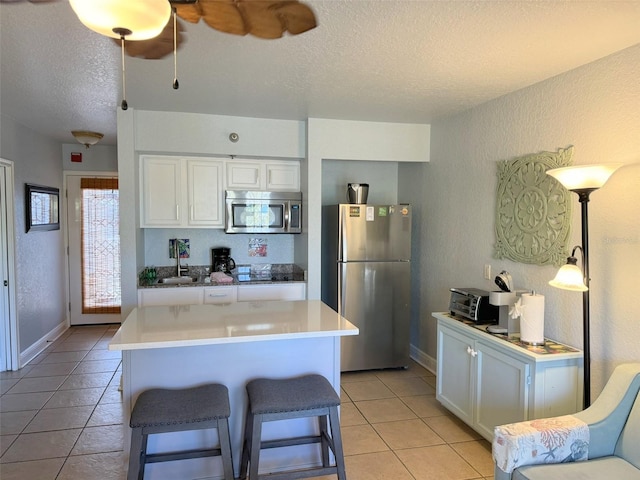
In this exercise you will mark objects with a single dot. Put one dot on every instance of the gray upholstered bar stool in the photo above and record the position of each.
(281, 399)
(162, 410)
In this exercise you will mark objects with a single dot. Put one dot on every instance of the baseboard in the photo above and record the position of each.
(38, 347)
(423, 359)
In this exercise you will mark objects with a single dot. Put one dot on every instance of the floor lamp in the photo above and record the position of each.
(582, 180)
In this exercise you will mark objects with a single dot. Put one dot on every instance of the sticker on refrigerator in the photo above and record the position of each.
(382, 211)
(354, 211)
(405, 211)
(370, 214)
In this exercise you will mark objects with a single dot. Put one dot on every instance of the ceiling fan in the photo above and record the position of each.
(268, 19)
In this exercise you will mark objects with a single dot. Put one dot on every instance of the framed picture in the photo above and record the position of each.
(42, 207)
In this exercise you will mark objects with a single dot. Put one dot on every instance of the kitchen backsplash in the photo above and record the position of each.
(245, 249)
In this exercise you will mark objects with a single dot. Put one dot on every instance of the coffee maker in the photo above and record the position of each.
(221, 261)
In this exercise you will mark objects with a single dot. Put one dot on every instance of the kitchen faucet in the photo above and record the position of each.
(180, 270)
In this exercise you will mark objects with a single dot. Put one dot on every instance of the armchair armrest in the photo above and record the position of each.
(608, 414)
(604, 419)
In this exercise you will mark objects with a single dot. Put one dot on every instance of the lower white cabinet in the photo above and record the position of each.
(276, 291)
(487, 381)
(220, 294)
(169, 296)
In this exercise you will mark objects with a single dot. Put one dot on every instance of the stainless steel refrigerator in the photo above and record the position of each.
(366, 265)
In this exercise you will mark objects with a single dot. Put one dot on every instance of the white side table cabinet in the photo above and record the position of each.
(488, 380)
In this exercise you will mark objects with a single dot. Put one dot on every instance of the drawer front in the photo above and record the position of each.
(218, 295)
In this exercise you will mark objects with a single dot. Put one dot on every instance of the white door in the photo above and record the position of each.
(8, 320)
(94, 249)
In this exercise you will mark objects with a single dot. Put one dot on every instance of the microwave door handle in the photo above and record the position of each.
(285, 209)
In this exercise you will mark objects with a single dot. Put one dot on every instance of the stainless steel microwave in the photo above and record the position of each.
(263, 212)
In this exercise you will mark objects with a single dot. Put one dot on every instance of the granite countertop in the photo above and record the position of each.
(191, 325)
(241, 275)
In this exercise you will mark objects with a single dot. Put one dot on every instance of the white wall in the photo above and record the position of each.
(40, 261)
(596, 108)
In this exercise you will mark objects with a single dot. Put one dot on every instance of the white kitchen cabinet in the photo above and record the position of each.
(161, 190)
(243, 175)
(220, 295)
(181, 192)
(283, 176)
(268, 175)
(275, 291)
(486, 380)
(170, 296)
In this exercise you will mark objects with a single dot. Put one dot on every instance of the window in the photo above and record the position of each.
(100, 246)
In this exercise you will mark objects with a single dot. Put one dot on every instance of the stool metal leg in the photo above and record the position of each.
(337, 442)
(135, 452)
(246, 446)
(254, 448)
(225, 448)
(324, 440)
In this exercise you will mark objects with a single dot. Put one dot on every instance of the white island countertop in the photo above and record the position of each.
(191, 325)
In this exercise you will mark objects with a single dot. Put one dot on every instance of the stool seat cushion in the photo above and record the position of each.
(159, 406)
(291, 394)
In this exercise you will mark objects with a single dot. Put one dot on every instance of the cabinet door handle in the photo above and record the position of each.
(214, 295)
(177, 212)
(474, 353)
(469, 350)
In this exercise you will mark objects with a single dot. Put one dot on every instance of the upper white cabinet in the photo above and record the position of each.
(161, 191)
(181, 192)
(243, 175)
(262, 175)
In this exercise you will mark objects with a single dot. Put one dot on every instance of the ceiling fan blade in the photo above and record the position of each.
(190, 12)
(262, 21)
(223, 15)
(297, 17)
(157, 47)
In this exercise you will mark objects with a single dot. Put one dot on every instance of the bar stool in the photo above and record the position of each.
(281, 399)
(162, 410)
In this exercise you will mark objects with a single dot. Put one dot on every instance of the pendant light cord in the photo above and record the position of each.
(124, 104)
(176, 84)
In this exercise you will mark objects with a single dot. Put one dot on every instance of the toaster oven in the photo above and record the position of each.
(472, 304)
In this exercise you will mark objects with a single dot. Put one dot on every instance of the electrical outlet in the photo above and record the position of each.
(487, 272)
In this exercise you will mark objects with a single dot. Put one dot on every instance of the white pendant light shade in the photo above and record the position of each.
(584, 176)
(569, 277)
(144, 18)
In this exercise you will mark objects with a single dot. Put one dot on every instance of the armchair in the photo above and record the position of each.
(613, 446)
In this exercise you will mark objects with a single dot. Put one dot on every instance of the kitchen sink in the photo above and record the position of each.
(178, 280)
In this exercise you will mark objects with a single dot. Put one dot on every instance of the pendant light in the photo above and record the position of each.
(145, 19)
(135, 20)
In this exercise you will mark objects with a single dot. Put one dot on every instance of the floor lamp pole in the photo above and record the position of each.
(586, 342)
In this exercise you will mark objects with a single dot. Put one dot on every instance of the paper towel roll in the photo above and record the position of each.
(532, 319)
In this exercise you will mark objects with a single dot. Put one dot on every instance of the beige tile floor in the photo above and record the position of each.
(61, 419)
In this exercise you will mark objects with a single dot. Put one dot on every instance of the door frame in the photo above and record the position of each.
(9, 323)
(65, 222)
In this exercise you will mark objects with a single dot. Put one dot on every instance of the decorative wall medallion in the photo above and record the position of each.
(533, 210)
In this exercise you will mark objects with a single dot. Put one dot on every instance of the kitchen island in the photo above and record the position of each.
(188, 345)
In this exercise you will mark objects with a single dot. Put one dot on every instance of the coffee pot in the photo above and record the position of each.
(221, 260)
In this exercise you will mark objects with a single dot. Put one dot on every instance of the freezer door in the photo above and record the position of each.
(375, 297)
(374, 232)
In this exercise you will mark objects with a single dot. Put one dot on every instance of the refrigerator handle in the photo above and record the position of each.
(341, 292)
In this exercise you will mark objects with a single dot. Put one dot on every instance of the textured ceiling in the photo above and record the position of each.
(381, 60)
